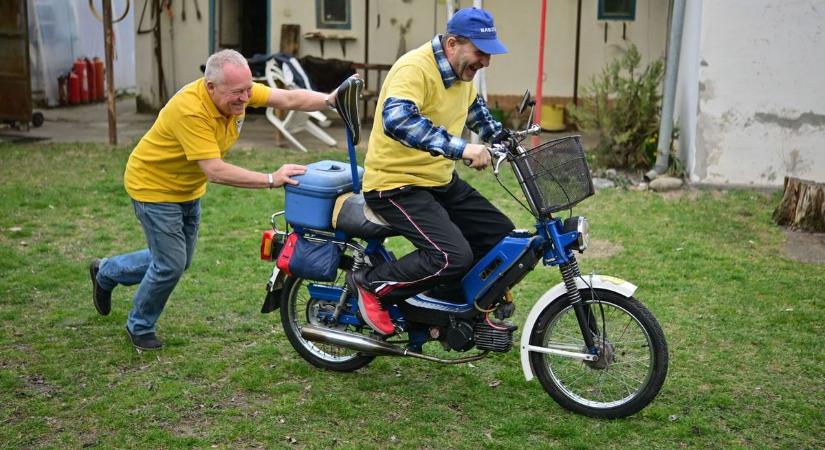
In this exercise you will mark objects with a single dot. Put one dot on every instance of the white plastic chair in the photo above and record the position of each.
(295, 121)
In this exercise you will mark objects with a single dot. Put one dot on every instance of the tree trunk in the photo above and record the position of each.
(802, 206)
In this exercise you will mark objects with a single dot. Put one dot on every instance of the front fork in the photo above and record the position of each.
(587, 323)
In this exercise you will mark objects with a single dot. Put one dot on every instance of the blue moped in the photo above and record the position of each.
(595, 348)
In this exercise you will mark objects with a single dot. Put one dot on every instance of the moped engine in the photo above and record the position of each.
(459, 335)
(494, 336)
(486, 335)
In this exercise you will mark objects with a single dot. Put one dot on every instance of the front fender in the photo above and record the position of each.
(604, 282)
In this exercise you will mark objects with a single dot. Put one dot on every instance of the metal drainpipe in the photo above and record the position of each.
(669, 95)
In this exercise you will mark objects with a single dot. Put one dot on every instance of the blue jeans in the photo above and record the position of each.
(171, 230)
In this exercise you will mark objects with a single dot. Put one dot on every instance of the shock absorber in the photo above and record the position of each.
(357, 263)
(569, 273)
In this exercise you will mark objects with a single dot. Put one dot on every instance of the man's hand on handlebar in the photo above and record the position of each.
(476, 156)
(479, 156)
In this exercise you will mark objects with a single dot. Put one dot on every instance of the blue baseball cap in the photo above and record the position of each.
(477, 25)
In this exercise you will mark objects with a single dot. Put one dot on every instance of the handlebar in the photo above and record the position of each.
(499, 151)
(533, 130)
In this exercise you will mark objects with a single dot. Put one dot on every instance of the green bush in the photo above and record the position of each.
(622, 104)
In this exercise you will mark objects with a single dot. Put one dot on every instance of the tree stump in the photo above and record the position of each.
(802, 206)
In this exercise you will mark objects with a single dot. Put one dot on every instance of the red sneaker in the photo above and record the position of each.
(371, 309)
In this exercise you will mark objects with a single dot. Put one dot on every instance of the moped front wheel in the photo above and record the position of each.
(632, 363)
(299, 309)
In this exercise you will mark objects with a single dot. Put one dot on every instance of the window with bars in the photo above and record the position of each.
(333, 14)
(624, 10)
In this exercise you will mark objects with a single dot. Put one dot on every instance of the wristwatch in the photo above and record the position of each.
(330, 105)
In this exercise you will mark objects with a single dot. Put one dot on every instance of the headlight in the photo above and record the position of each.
(580, 225)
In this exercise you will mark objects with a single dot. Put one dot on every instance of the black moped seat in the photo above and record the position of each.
(352, 216)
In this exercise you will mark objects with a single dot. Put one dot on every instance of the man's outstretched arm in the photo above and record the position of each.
(222, 172)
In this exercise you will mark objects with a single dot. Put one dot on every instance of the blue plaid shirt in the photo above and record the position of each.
(404, 122)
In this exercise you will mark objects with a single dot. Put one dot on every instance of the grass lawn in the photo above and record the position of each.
(741, 320)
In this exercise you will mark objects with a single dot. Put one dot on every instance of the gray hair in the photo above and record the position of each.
(214, 65)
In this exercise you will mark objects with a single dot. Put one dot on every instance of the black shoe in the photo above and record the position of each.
(101, 297)
(148, 341)
(356, 279)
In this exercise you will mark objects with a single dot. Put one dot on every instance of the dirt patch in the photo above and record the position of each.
(600, 249)
(191, 425)
(688, 194)
(39, 386)
(804, 247)
(9, 138)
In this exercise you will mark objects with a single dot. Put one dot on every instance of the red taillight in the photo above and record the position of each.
(267, 245)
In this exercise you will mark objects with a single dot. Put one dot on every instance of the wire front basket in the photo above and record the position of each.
(554, 175)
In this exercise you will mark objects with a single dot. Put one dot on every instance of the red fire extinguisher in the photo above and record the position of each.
(90, 75)
(80, 69)
(99, 72)
(74, 88)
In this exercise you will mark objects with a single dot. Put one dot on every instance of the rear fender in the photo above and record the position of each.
(602, 282)
(274, 288)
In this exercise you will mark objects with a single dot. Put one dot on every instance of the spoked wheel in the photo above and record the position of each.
(633, 356)
(298, 309)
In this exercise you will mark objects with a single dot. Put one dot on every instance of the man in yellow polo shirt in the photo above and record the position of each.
(166, 176)
(425, 102)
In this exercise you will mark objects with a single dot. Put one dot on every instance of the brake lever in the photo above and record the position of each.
(499, 154)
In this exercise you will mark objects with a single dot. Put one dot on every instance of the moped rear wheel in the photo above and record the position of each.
(299, 309)
(633, 356)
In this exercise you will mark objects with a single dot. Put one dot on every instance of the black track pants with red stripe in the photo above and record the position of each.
(451, 227)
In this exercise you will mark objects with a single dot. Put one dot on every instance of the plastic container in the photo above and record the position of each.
(310, 203)
(552, 117)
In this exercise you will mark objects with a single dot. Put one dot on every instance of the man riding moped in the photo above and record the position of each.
(410, 180)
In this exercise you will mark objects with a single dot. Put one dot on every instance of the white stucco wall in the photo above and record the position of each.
(185, 47)
(186, 44)
(761, 109)
(518, 27)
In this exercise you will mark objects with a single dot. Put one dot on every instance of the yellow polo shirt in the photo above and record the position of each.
(415, 77)
(163, 167)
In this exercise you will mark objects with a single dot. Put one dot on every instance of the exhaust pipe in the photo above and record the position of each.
(372, 346)
(351, 341)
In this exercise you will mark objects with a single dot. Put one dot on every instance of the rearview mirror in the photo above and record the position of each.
(525, 102)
